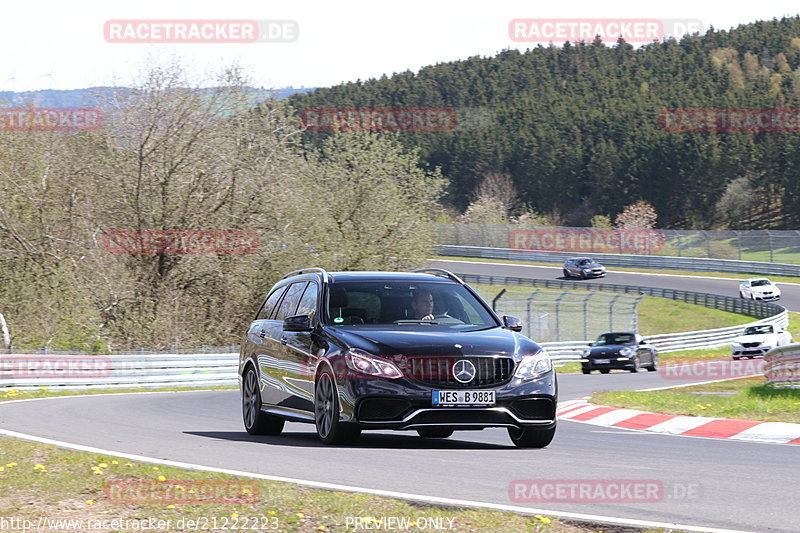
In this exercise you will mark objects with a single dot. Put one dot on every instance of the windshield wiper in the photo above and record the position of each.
(416, 322)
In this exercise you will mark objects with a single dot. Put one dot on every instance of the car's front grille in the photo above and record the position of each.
(750, 344)
(438, 371)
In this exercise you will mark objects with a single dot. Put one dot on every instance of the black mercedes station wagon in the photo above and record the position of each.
(349, 351)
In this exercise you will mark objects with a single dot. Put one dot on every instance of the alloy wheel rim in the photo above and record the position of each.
(250, 399)
(324, 405)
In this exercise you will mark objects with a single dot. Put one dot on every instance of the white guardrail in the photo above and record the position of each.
(699, 264)
(154, 370)
(73, 372)
(782, 366)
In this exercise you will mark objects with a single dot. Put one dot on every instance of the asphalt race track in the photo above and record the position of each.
(736, 485)
(707, 482)
(790, 293)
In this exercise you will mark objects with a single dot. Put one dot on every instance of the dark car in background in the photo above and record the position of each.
(619, 350)
(583, 267)
(353, 351)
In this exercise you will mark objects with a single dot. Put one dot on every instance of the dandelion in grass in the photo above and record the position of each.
(161, 478)
(89, 502)
(170, 506)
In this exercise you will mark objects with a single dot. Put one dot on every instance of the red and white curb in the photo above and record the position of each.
(693, 426)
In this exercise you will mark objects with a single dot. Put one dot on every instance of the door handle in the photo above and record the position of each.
(284, 340)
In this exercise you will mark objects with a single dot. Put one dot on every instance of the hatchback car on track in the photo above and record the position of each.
(583, 267)
(353, 351)
(622, 350)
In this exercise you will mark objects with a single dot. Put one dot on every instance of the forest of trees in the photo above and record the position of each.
(577, 128)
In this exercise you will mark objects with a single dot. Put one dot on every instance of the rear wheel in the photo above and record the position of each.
(531, 438)
(434, 433)
(256, 422)
(326, 413)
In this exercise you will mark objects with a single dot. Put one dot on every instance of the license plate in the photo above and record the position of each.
(463, 397)
(602, 361)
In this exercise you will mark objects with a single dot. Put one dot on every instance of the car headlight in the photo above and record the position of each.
(626, 351)
(534, 365)
(586, 352)
(366, 363)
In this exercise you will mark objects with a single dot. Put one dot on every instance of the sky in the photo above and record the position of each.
(62, 45)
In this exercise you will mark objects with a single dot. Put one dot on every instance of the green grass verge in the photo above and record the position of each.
(14, 394)
(728, 275)
(748, 399)
(44, 482)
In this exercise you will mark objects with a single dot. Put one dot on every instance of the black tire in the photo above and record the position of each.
(636, 365)
(586, 370)
(255, 421)
(654, 365)
(605, 370)
(531, 438)
(434, 433)
(326, 413)
(566, 274)
(736, 358)
(583, 274)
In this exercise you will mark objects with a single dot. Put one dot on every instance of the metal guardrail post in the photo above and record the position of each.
(494, 301)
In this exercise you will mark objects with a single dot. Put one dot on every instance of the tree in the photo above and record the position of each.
(639, 215)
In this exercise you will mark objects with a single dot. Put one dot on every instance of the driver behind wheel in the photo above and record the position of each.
(422, 305)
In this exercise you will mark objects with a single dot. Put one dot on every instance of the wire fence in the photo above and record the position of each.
(774, 246)
(553, 316)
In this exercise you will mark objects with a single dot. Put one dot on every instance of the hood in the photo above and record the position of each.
(765, 288)
(417, 341)
(763, 338)
(608, 349)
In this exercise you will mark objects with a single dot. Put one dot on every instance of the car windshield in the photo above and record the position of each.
(405, 304)
(758, 330)
(583, 262)
(614, 338)
(760, 282)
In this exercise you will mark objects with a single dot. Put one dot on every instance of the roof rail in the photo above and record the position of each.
(309, 270)
(442, 273)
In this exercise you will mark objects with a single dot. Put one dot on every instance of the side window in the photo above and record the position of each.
(269, 305)
(289, 302)
(308, 303)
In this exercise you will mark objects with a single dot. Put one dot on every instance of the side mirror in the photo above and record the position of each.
(643, 342)
(513, 323)
(590, 344)
(297, 323)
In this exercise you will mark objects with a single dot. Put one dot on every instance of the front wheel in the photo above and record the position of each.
(654, 366)
(566, 274)
(256, 422)
(326, 413)
(586, 370)
(531, 438)
(434, 433)
(605, 370)
(636, 365)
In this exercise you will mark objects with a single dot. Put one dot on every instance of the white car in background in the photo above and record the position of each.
(758, 340)
(759, 289)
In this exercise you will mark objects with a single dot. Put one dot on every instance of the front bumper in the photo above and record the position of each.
(407, 404)
(614, 363)
(766, 297)
(741, 351)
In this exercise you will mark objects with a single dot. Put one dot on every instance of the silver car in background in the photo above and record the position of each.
(583, 267)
